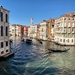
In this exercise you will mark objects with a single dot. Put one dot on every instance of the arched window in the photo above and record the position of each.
(2, 16)
(6, 18)
(1, 30)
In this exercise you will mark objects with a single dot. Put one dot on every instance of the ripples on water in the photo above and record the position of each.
(35, 59)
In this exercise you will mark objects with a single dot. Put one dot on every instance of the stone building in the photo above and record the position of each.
(4, 31)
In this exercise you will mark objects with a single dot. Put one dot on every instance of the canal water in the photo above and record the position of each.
(35, 59)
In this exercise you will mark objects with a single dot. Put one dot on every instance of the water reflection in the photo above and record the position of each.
(35, 59)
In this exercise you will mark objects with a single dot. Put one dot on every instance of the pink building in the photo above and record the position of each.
(25, 30)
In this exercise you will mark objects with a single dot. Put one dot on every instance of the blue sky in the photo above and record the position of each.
(22, 10)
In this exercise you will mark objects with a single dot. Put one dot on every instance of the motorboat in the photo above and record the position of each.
(29, 41)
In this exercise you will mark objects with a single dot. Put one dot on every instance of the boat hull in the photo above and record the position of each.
(56, 50)
(29, 41)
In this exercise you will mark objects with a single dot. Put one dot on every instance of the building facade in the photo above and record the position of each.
(15, 30)
(38, 32)
(33, 31)
(11, 30)
(43, 30)
(25, 31)
(19, 30)
(64, 29)
(50, 29)
(4, 31)
(29, 32)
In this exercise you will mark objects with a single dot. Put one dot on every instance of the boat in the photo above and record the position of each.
(58, 50)
(22, 40)
(60, 44)
(40, 41)
(62, 48)
(29, 41)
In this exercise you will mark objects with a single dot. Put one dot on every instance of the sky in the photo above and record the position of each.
(22, 10)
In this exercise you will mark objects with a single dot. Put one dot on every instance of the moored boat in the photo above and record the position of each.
(40, 41)
(58, 50)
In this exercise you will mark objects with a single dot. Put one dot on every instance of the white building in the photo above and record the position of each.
(11, 30)
(15, 30)
(43, 30)
(4, 31)
(64, 29)
(33, 29)
(29, 31)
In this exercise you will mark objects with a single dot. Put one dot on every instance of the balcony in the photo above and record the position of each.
(58, 31)
(64, 31)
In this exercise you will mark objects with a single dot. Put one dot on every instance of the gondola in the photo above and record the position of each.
(40, 41)
(58, 50)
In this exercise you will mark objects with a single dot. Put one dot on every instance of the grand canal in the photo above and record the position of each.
(35, 59)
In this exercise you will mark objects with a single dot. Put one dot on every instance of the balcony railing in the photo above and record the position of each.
(63, 31)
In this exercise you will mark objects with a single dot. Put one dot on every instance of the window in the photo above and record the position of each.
(68, 35)
(6, 18)
(6, 43)
(64, 18)
(6, 50)
(1, 16)
(72, 40)
(68, 18)
(73, 24)
(69, 30)
(1, 30)
(64, 35)
(68, 40)
(2, 52)
(73, 18)
(63, 40)
(64, 24)
(6, 31)
(12, 29)
(72, 35)
(1, 44)
(69, 24)
(64, 29)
